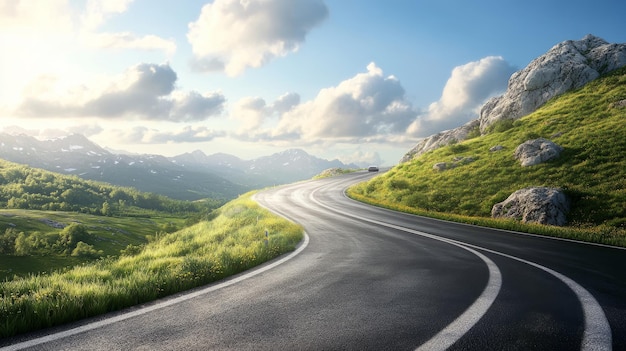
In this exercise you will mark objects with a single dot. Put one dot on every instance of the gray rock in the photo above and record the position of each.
(536, 204)
(536, 151)
(440, 166)
(441, 139)
(456, 162)
(496, 148)
(568, 65)
(619, 104)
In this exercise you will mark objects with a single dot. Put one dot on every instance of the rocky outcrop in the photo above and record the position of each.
(619, 104)
(456, 162)
(568, 65)
(441, 139)
(533, 152)
(537, 205)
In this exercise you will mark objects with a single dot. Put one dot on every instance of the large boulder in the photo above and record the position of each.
(536, 151)
(568, 65)
(536, 204)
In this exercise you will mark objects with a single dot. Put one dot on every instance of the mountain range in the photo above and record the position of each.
(190, 176)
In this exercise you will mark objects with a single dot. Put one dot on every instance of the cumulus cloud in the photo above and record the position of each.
(232, 35)
(467, 89)
(128, 40)
(145, 91)
(366, 106)
(97, 12)
(188, 134)
(36, 17)
(253, 112)
(51, 133)
(43, 21)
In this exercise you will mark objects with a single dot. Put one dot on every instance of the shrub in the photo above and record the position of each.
(85, 250)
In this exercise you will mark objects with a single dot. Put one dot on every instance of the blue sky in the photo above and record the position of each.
(362, 81)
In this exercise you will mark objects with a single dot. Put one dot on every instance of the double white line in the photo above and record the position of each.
(596, 336)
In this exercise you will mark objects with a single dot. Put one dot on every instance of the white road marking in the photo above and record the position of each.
(597, 334)
(463, 323)
(166, 303)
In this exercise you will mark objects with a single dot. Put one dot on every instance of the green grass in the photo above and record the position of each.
(591, 170)
(206, 252)
(331, 172)
(110, 234)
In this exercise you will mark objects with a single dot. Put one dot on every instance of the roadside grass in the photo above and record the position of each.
(588, 123)
(331, 172)
(110, 234)
(208, 251)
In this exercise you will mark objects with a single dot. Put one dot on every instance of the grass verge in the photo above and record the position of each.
(601, 234)
(206, 252)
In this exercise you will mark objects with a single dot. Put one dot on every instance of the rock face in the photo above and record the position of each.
(456, 162)
(440, 139)
(568, 65)
(537, 205)
(533, 152)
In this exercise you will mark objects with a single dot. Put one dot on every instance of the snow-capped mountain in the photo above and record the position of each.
(280, 168)
(189, 176)
(76, 155)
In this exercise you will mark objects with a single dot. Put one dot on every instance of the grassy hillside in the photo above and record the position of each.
(589, 123)
(107, 235)
(44, 216)
(208, 251)
(24, 187)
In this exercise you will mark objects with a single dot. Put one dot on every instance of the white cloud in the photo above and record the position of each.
(365, 107)
(98, 11)
(145, 91)
(47, 37)
(128, 40)
(253, 112)
(33, 17)
(232, 35)
(51, 133)
(188, 134)
(467, 89)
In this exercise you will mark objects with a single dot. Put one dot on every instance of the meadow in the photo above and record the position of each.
(231, 241)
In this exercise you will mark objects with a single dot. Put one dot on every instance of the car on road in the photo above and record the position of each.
(372, 169)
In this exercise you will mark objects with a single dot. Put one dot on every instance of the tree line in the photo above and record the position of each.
(72, 240)
(23, 187)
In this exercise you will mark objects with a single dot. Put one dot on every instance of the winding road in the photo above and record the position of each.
(366, 278)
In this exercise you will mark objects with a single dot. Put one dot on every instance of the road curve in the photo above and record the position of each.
(371, 279)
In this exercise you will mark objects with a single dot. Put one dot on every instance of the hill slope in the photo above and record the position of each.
(76, 155)
(23, 187)
(589, 123)
(190, 176)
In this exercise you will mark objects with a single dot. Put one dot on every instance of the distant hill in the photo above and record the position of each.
(189, 176)
(280, 168)
(76, 155)
(29, 188)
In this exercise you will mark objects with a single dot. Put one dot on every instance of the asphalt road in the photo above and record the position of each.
(371, 279)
